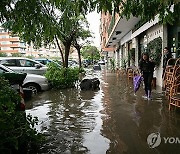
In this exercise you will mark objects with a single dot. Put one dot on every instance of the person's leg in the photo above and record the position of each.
(145, 76)
(149, 84)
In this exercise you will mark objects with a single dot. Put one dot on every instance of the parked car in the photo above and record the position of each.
(43, 61)
(15, 80)
(32, 81)
(73, 63)
(46, 61)
(102, 62)
(24, 65)
(85, 63)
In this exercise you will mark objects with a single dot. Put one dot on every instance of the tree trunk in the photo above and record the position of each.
(62, 56)
(78, 48)
(79, 56)
(67, 49)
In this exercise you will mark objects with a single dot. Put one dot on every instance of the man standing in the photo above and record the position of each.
(167, 55)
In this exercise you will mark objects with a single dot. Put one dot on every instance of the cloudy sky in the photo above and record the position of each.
(94, 21)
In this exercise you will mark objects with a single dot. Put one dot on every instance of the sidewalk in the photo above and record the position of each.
(131, 118)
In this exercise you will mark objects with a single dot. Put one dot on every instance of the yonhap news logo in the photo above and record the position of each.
(155, 139)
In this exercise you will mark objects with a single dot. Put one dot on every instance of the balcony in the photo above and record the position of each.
(9, 51)
(16, 39)
(4, 33)
(10, 45)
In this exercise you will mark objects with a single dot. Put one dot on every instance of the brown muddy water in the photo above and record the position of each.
(110, 120)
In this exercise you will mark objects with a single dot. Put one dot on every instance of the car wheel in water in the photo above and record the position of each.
(35, 89)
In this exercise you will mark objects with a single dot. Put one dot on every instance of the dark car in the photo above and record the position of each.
(16, 80)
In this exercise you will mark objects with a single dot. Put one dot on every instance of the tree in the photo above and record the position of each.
(2, 54)
(90, 52)
(43, 21)
(146, 9)
(48, 22)
(81, 38)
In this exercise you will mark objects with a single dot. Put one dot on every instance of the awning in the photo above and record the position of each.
(121, 28)
(108, 49)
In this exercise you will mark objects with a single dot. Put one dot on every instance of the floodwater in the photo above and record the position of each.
(110, 120)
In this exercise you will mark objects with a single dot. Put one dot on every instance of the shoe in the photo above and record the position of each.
(149, 98)
(145, 97)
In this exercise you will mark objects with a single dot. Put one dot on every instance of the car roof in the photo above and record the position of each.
(4, 58)
(13, 58)
(41, 59)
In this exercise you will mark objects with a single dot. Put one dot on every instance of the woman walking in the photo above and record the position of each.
(147, 68)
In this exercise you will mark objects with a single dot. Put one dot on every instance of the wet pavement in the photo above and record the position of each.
(110, 120)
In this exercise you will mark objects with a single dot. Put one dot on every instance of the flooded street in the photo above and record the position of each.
(110, 120)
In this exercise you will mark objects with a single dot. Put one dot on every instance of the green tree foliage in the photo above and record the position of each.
(154, 48)
(112, 62)
(81, 39)
(30, 9)
(2, 54)
(60, 77)
(16, 55)
(17, 131)
(43, 22)
(90, 52)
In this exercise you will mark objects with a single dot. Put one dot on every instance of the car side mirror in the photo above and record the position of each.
(38, 66)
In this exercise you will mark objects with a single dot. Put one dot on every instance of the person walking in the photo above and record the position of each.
(147, 68)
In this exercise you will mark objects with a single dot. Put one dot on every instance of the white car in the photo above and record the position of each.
(24, 65)
(32, 81)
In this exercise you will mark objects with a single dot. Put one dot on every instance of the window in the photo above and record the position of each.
(9, 62)
(5, 48)
(3, 36)
(4, 42)
(26, 63)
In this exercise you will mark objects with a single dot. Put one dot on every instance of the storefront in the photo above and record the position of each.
(174, 39)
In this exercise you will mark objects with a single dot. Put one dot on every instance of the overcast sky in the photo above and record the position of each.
(94, 21)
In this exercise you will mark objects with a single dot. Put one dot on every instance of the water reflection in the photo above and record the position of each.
(111, 120)
(130, 119)
(70, 119)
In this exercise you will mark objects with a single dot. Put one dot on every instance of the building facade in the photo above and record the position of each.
(127, 39)
(11, 44)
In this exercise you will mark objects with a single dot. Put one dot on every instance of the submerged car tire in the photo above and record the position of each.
(34, 87)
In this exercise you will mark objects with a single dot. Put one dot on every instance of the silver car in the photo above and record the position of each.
(32, 81)
(24, 65)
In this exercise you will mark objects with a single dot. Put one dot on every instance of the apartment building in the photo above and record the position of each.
(10, 44)
(122, 36)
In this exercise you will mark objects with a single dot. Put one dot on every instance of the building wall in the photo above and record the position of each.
(152, 33)
(12, 44)
(140, 37)
(104, 27)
